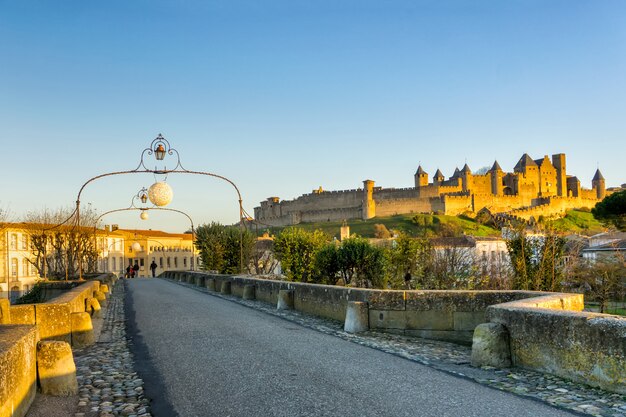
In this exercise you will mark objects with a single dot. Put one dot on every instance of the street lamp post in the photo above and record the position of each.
(160, 148)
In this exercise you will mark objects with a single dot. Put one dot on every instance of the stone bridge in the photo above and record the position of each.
(545, 332)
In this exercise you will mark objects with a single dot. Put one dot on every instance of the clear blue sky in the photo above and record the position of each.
(285, 96)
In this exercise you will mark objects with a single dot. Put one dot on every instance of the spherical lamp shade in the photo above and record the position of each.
(144, 215)
(160, 194)
(136, 247)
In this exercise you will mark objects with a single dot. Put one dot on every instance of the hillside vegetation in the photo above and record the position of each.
(411, 224)
(575, 221)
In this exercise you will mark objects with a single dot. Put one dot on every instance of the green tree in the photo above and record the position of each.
(537, 261)
(612, 209)
(327, 264)
(296, 249)
(361, 264)
(410, 255)
(220, 247)
(601, 280)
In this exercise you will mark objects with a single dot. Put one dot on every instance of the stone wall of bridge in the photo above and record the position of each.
(63, 318)
(545, 331)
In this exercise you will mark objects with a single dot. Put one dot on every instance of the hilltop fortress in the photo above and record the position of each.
(534, 188)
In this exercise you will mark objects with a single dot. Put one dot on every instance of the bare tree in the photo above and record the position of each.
(602, 278)
(59, 250)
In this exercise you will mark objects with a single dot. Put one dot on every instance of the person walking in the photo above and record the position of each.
(136, 270)
(153, 267)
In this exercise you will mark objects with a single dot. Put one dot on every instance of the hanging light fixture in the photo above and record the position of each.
(144, 215)
(160, 193)
(159, 152)
(144, 197)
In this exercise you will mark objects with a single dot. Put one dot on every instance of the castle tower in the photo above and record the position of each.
(599, 185)
(496, 179)
(421, 178)
(438, 177)
(369, 205)
(558, 161)
(467, 178)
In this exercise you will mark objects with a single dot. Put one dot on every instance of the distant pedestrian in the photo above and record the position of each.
(136, 269)
(128, 268)
(407, 280)
(153, 267)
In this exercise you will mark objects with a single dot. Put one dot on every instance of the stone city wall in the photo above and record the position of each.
(395, 193)
(498, 203)
(548, 331)
(330, 215)
(457, 204)
(404, 206)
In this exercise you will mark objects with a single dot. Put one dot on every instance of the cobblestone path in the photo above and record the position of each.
(108, 384)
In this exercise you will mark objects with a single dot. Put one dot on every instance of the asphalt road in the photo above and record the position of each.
(201, 355)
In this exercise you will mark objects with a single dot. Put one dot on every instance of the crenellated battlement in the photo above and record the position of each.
(532, 188)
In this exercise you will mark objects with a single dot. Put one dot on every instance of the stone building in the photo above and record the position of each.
(170, 251)
(17, 274)
(535, 187)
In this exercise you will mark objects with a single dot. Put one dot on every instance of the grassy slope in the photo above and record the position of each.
(574, 222)
(579, 222)
(403, 223)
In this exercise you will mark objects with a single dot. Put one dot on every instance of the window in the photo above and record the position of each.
(13, 243)
(25, 266)
(14, 267)
(141, 262)
(114, 261)
(168, 262)
(24, 242)
(175, 262)
(161, 262)
(185, 262)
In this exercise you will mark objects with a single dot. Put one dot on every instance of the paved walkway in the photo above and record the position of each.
(455, 359)
(219, 358)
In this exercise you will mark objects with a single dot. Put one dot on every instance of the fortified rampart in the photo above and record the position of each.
(543, 331)
(534, 188)
(23, 328)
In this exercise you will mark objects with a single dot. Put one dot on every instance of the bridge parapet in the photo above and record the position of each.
(63, 319)
(547, 331)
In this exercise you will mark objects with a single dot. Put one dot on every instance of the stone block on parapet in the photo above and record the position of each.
(387, 319)
(468, 320)
(357, 317)
(82, 330)
(210, 284)
(225, 287)
(18, 369)
(93, 307)
(99, 295)
(23, 314)
(199, 279)
(491, 346)
(56, 369)
(285, 300)
(5, 311)
(248, 292)
(53, 322)
(386, 300)
(429, 320)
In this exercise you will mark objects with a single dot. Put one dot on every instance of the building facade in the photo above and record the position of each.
(17, 273)
(170, 251)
